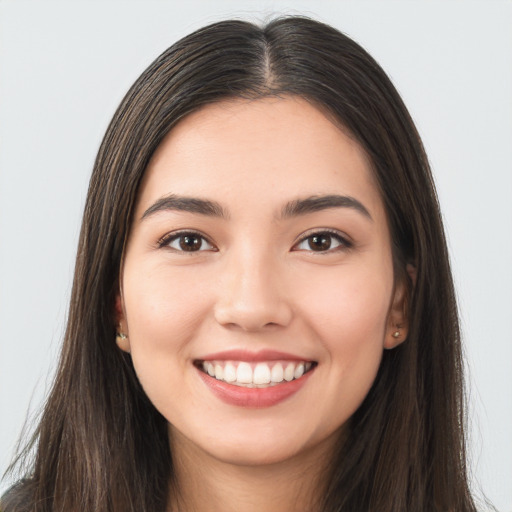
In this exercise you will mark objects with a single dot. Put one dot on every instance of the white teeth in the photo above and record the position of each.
(289, 371)
(229, 373)
(219, 372)
(261, 374)
(255, 375)
(277, 373)
(244, 373)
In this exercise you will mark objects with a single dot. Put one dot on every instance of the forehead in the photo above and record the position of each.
(254, 152)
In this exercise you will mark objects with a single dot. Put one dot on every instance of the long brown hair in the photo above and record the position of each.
(102, 446)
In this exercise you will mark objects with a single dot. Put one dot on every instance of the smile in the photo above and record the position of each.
(255, 375)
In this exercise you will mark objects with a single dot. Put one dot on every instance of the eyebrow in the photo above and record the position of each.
(317, 203)
(293, 208)
(186, 204)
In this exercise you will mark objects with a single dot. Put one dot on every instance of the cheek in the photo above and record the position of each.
(163, 306)
(348, 315)
(351, 303)
(164, 312)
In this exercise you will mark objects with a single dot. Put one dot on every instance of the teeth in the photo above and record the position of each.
(299, 371)
(229, 373)
(289, 372)
(259, 375)
(219, 372)
(244, 373)
(277, 373)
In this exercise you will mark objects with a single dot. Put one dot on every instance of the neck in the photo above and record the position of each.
(206, 484)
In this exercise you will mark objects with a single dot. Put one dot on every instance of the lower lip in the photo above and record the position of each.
(254, 397)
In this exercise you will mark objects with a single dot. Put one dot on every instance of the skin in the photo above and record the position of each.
(257, 284)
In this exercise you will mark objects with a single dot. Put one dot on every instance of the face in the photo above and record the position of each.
(257, 291)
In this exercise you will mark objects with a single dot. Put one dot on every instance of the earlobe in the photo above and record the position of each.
(122, 340)
(395, 336)
(397, 325)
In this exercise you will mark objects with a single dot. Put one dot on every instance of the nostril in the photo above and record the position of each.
(252, 319)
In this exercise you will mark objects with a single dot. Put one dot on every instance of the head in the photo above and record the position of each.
(404, 429)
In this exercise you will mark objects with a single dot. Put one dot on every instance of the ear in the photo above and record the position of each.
(122, 339)
(398, 322)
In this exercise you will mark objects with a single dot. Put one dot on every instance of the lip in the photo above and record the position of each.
(248, 356)
(253, 397)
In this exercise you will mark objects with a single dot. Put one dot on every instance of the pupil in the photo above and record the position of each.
(320, 242)
(190, 242)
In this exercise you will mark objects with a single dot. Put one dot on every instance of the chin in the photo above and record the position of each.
(262, 444)
(256, 453)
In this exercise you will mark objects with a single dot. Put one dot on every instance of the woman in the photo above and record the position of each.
(263, 314)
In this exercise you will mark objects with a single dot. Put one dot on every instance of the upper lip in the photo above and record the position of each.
(248, 355)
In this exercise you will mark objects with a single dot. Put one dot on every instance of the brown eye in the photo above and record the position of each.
(322, 241)
(187, 242)
(190, 242)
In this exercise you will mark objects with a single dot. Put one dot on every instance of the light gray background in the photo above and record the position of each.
(64, 67)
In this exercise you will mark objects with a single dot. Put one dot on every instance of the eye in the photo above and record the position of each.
(186, 241)
(322, 241)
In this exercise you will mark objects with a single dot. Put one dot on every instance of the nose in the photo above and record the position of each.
(251, 295)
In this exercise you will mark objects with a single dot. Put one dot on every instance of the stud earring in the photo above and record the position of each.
(120, 336)
(396, 334)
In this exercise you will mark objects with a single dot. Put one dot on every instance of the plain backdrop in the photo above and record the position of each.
(64, 67)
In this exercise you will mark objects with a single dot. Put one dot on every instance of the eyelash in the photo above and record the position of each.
(167, 239)
(343, 242)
